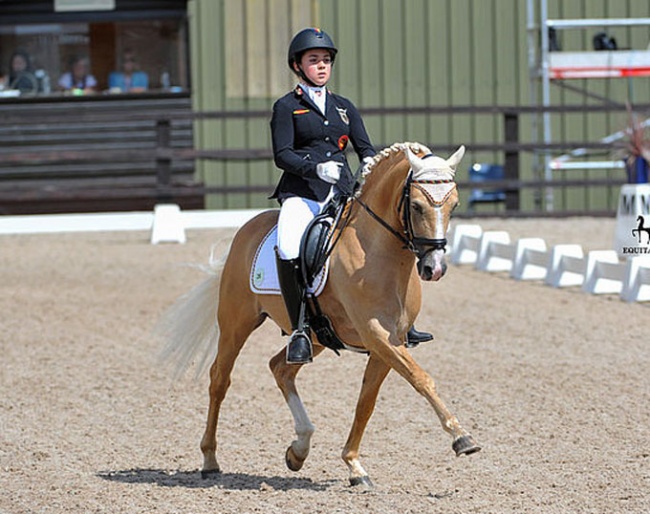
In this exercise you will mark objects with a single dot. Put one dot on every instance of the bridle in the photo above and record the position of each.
(420, 246)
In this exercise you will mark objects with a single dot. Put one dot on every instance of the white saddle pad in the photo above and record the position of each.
(264, 273)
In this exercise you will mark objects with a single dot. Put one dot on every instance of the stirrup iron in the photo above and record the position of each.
(299, 348)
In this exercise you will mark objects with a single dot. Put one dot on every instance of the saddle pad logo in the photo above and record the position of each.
(258, 277)
(343, 114)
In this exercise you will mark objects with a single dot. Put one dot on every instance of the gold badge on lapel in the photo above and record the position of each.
(343, 113)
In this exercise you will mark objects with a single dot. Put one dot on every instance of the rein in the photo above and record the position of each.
(338, 226)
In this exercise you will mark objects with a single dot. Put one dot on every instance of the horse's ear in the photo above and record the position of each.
(457, 156)
(414, 160)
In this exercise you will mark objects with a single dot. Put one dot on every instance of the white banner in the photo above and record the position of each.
(633, 221)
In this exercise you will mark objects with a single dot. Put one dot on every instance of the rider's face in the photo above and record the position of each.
(317, 66)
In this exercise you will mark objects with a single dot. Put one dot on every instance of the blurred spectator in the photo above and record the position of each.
(129, 79)
(78, 78)
(21, 75)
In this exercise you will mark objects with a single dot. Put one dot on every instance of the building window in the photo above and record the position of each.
(104, 57)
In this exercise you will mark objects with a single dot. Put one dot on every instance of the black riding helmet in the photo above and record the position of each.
(308, 39)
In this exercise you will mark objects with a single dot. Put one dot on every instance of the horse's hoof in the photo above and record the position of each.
(363, 481)
(465, 445)
(293, 463)
(210, 473)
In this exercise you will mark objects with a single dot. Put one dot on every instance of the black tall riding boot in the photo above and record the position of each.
(299, 349)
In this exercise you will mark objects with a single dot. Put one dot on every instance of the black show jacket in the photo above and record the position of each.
(303, 137)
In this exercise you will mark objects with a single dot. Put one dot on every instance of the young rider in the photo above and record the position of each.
(310, 129)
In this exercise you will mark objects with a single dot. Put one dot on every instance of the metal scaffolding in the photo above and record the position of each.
(548, 65)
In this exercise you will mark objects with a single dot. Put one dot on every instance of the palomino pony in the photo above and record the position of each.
(372, 297)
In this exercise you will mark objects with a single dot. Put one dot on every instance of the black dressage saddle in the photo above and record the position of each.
(315, 248)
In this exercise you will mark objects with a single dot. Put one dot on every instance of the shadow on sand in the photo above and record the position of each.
(193, 480)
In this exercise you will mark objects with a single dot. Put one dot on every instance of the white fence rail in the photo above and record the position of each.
(565, 265)
(599, 272)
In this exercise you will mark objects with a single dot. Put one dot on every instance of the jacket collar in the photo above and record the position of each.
(302, 96)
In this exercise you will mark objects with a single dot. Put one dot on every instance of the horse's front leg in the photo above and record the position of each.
(376, 372)
(285, 377)
(395, 355)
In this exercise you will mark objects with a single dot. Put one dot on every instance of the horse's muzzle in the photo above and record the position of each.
(432, 265)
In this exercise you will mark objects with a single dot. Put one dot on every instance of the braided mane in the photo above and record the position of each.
(395, 150)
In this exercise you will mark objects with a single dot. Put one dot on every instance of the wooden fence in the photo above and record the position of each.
(93, 155)
(129, 156)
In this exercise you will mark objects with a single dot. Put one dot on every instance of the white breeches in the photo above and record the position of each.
(295, 215)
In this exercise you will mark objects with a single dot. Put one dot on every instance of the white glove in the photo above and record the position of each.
(329, 171)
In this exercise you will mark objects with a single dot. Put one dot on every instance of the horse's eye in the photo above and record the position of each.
(417, 208)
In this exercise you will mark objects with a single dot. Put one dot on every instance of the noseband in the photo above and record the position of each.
(420, 246)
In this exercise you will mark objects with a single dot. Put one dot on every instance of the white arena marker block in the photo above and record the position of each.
(566, 266)
(168, 224)
(636, 285)
(601, 279)
(491, 248)
(465, 244)
(531, 259)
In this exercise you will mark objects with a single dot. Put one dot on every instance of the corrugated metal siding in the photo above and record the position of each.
(394, 53)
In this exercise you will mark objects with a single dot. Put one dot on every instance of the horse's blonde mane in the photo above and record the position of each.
(395, 150)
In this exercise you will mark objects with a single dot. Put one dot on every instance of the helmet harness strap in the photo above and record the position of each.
(302, 75)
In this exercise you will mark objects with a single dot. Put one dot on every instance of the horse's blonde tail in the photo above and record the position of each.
(189, 328)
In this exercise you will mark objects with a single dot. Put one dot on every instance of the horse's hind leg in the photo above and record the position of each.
(233, 335)
(376, 372)
(285, 378)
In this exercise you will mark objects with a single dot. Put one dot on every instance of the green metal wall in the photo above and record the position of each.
(396, 53)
